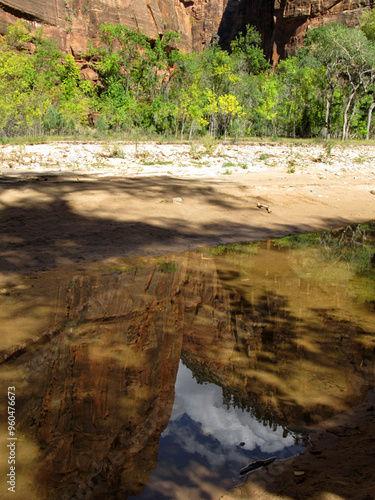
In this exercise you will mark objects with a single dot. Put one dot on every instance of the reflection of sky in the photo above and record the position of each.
(200, 449)
(228, 427)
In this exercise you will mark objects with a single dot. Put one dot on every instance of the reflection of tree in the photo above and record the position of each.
(284, 345)
(293, 346)
(351, 247)
(354, 244)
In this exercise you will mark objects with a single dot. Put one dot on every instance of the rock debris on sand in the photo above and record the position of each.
(151, 158)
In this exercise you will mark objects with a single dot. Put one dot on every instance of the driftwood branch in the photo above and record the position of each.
(260, 205)
(257, 465)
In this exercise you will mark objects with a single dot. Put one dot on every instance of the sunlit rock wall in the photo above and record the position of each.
(282, 23)
(75, 22)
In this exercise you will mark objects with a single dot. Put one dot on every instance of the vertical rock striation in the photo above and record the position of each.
(94, 401)
(282, 23)
(75, 22)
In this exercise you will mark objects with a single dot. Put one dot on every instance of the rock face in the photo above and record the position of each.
(75, 22)
(282, 23)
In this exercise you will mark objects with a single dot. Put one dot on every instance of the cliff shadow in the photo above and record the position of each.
(238, 14)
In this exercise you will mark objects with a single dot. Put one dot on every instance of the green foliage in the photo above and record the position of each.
(298, 241)
(297, 100)
(18, 36)
(368, 24)
(52, 121)
(345, 62)
(148, 86)
(101, 125)
(168, 267)
(246, 49)
(41, 91)
(234, 249)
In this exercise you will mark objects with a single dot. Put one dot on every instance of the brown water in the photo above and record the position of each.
(264, 337)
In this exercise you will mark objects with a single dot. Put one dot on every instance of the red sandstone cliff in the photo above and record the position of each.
(74, 22)
(282, 23)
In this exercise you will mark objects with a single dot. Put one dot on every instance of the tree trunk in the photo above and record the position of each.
(327, 132)
(351, 118)
(137, 92)
(345, 124)
(191, 129)
(182, 128)
(369, 116)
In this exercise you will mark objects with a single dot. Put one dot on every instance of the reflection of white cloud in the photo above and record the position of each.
(203, 404)
(215, 457)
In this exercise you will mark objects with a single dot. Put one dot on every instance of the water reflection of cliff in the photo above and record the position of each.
(278, 330)
(95, 399)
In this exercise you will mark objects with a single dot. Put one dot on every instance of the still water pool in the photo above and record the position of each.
(207, 443)
(162, 378)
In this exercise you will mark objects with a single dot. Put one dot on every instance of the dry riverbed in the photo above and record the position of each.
(65, 203)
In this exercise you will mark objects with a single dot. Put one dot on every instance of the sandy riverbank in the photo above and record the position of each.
(56, 212)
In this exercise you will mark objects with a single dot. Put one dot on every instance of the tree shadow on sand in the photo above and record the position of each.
(40, 229)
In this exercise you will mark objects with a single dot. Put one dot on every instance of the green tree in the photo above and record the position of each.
(368, 27)
(323, 54)
(267, 107)
(228, 109)
(345, 59)
(296, 96)
(247, 52)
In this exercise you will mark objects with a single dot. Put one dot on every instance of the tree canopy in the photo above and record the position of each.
(327, 89)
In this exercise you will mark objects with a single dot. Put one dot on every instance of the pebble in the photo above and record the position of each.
(93, 157)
